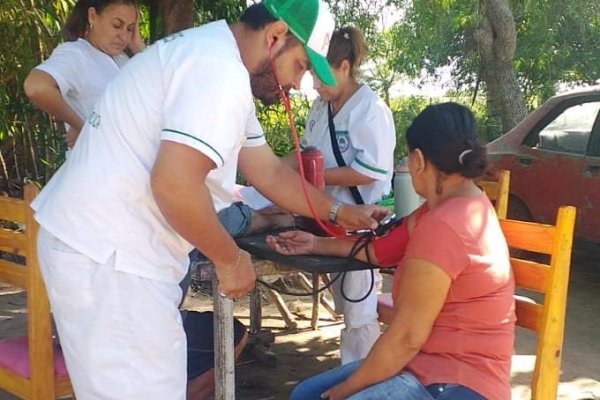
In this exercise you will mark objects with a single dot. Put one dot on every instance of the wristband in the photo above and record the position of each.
(237, 262)
(333, 211)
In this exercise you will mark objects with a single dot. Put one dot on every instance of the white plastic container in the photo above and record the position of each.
(406, 200)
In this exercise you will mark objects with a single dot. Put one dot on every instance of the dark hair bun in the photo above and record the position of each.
(447, 135)
(474, 161)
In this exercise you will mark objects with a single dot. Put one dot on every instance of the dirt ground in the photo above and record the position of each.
(304, 352)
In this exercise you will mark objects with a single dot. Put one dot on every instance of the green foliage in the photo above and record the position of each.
(210, 10)
(204, 11)
(363, 14)
(274, 121)
(382, 72)
(384, 51)
(31, 144)
(436, 33)
(404, 109)
(557, 42)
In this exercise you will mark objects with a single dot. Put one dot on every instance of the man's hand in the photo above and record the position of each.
(361, 216)
(293, 243)
(237, 280)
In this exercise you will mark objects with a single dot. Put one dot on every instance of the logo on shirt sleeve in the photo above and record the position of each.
(94, 119)
(343, 141)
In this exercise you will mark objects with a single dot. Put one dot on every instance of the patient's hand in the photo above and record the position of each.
(293, 243)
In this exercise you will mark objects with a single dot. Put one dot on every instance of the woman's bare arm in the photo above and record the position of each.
(41, 88)
(423, 290)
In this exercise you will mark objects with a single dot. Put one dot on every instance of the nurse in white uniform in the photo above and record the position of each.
(365, 136)
(71, 80)
(155, 161)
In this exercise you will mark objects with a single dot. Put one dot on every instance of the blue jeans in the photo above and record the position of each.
(403, 386)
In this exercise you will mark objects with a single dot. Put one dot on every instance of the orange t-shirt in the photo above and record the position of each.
(471, 341)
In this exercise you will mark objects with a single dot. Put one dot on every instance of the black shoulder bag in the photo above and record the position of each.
(338, 156)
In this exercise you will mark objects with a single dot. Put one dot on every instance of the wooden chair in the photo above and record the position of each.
(31, 367)
(548, 318)
(498, 191)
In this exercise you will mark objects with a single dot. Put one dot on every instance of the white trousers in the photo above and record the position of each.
(362, 327)
(121, 334)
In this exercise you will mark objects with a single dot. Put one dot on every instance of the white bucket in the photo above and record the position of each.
(406, 200)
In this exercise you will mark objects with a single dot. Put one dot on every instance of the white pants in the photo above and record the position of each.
(362, 327)
(121, 334)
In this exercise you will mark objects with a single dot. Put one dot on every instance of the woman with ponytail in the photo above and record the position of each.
(452, 327)
(363, 129)
(98, 34)
(350, 119)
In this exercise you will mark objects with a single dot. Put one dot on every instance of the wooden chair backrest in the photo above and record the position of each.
(547, 319)
(498, 191)
(18, 238)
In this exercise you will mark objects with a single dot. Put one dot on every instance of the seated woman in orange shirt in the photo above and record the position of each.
(451, 335)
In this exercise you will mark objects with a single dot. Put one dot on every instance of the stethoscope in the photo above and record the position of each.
(288, 109)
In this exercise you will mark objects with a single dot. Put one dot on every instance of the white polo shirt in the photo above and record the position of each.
(191, 88)
(366, 137)
(82, 72)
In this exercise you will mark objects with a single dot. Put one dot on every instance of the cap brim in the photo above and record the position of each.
(321, 67)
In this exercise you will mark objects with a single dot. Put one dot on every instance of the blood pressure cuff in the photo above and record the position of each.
(390, 249)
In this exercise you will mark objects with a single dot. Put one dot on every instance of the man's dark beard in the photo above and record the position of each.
(264, 85)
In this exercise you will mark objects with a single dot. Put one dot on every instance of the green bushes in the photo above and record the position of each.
(405, 109)
(275, 124)
(31, 145)
(274, 121)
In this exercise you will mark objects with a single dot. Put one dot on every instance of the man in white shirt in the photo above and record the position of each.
(154, 161)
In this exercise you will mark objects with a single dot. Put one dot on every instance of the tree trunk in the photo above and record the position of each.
(496, 40)
(155, 30)
(176, 15)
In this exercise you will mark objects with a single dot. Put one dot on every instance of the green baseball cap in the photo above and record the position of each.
(310, 21)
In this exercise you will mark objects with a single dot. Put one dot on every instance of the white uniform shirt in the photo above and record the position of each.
(366, 137)
(82, 72)
(191, 88)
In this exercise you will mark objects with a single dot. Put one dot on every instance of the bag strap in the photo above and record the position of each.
(338, 156)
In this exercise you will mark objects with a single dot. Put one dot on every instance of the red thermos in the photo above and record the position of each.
(314, 172)
(312, 163)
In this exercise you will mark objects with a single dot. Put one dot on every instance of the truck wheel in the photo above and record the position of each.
(518, 210)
